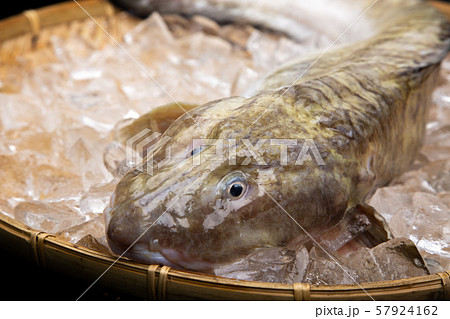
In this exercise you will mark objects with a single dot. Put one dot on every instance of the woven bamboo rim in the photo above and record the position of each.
(22, 34)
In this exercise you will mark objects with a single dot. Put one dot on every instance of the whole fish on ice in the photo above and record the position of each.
(363, 104)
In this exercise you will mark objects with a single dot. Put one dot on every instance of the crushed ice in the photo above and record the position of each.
(59, 108)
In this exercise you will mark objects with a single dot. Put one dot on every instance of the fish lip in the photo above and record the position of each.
(148, 253)
(168, 257)
(185, 261)
(140, 252)
(142, 255)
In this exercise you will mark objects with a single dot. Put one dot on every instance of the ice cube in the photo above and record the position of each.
(388, 200)
(16, 177)
(89, 162)
(150, 33)
(445, 197)
(93, 243)
(275, 264)
(395, 259)
(205, 25)
(237, 35)
(94, 227)
(43, 143)
(114, 159)
(437, 174)
(70, 51)
(48, 217)
(431, 227)
(48, 182)
(96, 198)
(19, 111)
(6, 208)
(269, 51)
(262, 47)
(324, 270)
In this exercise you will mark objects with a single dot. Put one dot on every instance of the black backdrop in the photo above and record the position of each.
(8, 8)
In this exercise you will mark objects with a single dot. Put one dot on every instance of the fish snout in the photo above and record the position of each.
(126, 237)
(121, 233)
(139, 227)
(147, 245)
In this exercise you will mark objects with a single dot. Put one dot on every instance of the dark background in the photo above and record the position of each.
(21, 280)
(9, 8)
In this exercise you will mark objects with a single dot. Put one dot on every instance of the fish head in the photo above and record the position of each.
(211, 202)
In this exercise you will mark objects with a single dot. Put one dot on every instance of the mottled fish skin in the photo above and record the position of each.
(364, 105)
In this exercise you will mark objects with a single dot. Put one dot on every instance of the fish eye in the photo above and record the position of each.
(197, 150)
(236, 189)
(233, 185)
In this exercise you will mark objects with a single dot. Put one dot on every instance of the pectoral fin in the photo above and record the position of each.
(361, 226)
(378, 231)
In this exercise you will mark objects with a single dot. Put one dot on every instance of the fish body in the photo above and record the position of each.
(356, 114)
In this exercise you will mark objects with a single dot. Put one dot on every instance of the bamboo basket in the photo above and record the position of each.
(26, 32)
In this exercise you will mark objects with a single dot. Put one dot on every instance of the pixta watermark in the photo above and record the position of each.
(237, 152)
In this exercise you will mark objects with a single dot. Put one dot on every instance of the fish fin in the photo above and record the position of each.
(378, 230)
(361, 227)
(157, 120)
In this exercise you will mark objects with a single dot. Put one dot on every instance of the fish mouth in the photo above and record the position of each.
(141, 254)
(148, 250)
(168, 257)
(186, 261)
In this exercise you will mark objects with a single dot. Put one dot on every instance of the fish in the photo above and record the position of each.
(299, 152)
